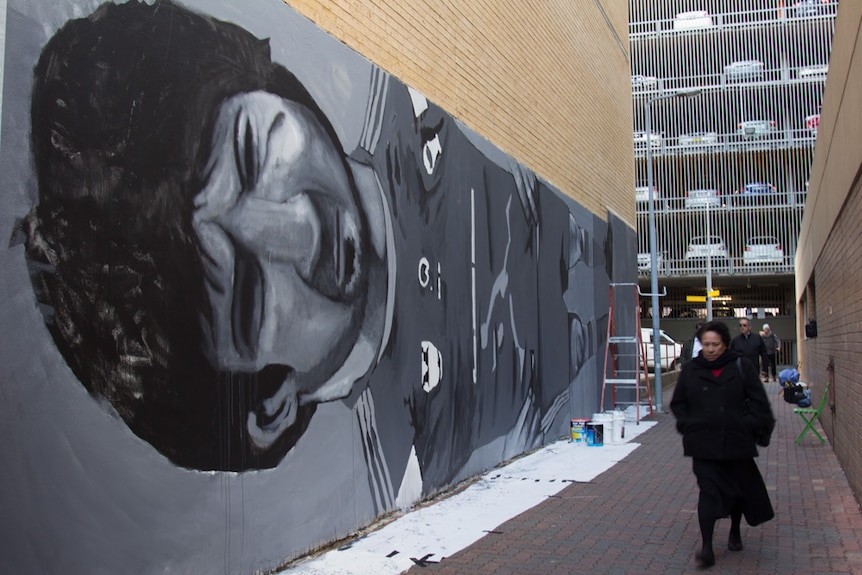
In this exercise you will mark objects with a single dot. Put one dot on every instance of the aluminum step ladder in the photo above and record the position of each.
(625, 366)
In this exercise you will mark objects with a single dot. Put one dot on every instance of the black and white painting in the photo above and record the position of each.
(258, 292)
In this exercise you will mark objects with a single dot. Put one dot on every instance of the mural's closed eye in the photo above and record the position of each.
(246, 152)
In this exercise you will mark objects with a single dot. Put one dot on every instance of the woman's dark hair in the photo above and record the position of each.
(718, 327)
(122, 112)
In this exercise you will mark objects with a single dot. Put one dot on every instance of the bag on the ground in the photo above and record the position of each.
(796, 394)
(788, 376)
(792, 391)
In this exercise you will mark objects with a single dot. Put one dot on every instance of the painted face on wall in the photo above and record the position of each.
(284, 243)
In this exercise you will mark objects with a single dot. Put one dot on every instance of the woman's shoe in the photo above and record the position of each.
(705, 557)
(734, 542)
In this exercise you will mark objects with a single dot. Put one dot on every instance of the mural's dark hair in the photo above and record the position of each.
(122, 108)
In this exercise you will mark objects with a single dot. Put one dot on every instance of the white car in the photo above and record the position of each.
(744, 70)
(698, 139)
(642, 194)
(804, 8)
(640, 139)
(642, 199)
(755, 128)
(640, 82)
(763, 250)
(813, 72)
(693, 20)
(669, 349)
(701, 198)
(702, 247)
(645, 261)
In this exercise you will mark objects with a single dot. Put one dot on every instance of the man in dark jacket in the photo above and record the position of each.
(749, 344)
(691, 347)
(773, 346)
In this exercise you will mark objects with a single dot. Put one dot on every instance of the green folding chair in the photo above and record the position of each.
(810, 415)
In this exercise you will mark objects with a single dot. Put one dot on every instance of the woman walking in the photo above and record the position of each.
(723, 413)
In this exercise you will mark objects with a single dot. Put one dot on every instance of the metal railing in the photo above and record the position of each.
(649, 21)
(760, 180)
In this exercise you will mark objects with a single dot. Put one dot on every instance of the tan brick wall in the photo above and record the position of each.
(829, 254)
(547, 82)
(839, 317)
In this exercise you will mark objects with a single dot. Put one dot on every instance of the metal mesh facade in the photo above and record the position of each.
(732, 162)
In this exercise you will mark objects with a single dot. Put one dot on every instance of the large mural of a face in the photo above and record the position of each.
(214, 262)
(215, 265)
(205, 253)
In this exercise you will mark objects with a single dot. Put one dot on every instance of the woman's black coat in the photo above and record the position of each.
(720, 416)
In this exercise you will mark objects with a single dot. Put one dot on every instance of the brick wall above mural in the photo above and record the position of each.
(546, 82)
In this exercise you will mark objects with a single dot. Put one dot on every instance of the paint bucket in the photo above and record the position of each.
(595, 434)
(579, 428)
(619, 426)
(607, 421)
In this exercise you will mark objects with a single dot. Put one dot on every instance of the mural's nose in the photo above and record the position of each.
(277, 231)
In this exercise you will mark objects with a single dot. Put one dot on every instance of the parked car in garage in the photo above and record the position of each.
(756, 193)
(702, 247)
(640, 139)
(698, 139)
(813, 72)
(701, 198)
(755, 128)
(640, 82)
(761, 250)
(804, 8)
(744, 70)
(645, 261)
(670, 350)
(692, 20)
(642, 198)
(812, 123)
(722, 311)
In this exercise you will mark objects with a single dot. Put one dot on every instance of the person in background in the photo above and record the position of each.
(773, 346)
(749, 344)
(723, 413)
(691, 347)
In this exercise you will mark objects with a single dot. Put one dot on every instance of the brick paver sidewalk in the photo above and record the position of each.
(640, 517)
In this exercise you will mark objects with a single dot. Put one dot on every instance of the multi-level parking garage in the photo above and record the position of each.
(731, 163)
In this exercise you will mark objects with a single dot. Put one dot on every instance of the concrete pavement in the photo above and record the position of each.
(640, 516)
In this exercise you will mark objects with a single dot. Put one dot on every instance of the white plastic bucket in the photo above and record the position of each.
(607, 421)
(619, 426)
